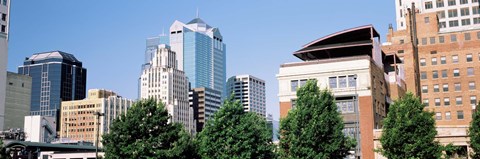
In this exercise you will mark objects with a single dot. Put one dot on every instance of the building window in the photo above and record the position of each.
(346, 106)
(437, 102)
(455, 59)
(294, 103)
(440, 3)
(453, 23)
(467, 35)
(424, 41)
(473, 100)
(453, 38)
(422, 62)
(332, 81)
(432, 40)
(438, 116)
(469, 57)
(465, 11)
(400, 51)
(443, 60)
(465, 22)
(456, 72)
(470, 71)
(400, 2)
(425, 101)
(428, 5)
(441, 14)
(460, 114)
(458, 100)
(402, 41)
(424, 89)
(478, 37)
(452, 13)
(446, 101)
(471, 85)
(436, 88)
(447, 116)
(444, 74)
(476, 10)
(451, 2)
(445, 87)
(294, 85)
(476, 21)
(342, 82)
(352, 81)
(463, 1)
(434, 61)
(442, 24)
(441, 39)
(458, 87)
(434, 74)
(433, 52)
(423, 75)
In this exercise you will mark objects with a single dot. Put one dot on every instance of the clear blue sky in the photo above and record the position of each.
(108, 36)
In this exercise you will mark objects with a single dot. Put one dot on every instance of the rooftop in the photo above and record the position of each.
(52, 55)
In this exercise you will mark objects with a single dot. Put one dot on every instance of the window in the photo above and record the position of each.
(400, 2)
(427, 20)
(460, 114)
(440, 3)
(452, 13)
(438, 116)
(470, 71)
(4, 29)
(332, 81)
(443, 60)
(471, 85)
(428, 5)
(342, 81)
(441, 39)
(467, 35)
(442, 24)
(445, 87)
(423, 75)
(432, 40)
(436, 88)
(294, 85)
(453, 23)
(458, 100)
(446, 101)
(303, 82)
(424, 89)
(476, 21)
(463, 1)
(444, 74)
(434, 74)
(453, 38)
(422, 62)
(469, 57)
(424, 41)
(476, 10)
(478, 37)
(465, 11)
(473, 100)
(455, 59)
(441, 14)
(4, 17)
(433, 52)
(352, 81)
(400, 51)
(434, 61)
(402, 41)
(456, 72)
(465, 22)
(451, 2)
(437, 102)
(447, 116)
(458, 87)
(294, 103)
(425, 101)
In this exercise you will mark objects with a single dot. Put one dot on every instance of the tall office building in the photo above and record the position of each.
(162, 80)
(78, 121)
(4, 27)
(453, 15)
(250, 91)
(56, 76)
(17, 106)
(201, 53)
(205, 102)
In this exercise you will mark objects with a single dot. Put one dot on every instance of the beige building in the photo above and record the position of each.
(77, 119)
(18, 96)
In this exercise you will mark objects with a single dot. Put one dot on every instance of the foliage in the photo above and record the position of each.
(409, 131)
(144, 132)
(474, 133)
(313, 129)
(235, 134)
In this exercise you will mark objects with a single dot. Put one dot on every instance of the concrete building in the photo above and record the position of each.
(351, 64)
(40, 128)
(4, 28)
(18, 96)
(78, 122)
(453, 15)
(162, 80)
(250, 91)
(56, 76)
(205, 102)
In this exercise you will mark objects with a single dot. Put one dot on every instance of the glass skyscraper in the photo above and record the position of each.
(56, 76)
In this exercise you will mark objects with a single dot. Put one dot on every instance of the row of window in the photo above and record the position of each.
(347, 81)
(441, 3)
(441, 39)
(443, 60)
(464, 22)
(438, 115)
(456, 73)
(445, 88)
(446, 101)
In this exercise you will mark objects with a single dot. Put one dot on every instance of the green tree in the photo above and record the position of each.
(233, 133)
(313, 129)
(144, 132)
(474, 133)
(409, 131)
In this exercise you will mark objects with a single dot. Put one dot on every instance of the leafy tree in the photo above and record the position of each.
(313, 129)
(235, 134)
(474, 133)
(144, 132)
(409, 131)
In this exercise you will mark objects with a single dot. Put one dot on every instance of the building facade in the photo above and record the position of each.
(351, 64)
(162, 80)
(40, 128)
(78, 121)
(250, 91)
(4, 27)
(56, 76)
(205, 102)
(18, 96)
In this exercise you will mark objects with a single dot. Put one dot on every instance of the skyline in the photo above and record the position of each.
(96, 36)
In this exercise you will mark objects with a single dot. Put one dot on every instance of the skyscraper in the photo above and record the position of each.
(56, 76)
(205, 102)
(4, 27)
(250, 91)
(17, 105)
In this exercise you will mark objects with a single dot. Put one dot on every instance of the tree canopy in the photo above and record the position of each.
(474, 133)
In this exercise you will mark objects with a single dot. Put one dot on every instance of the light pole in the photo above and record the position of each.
(357, 113)
(98, 114)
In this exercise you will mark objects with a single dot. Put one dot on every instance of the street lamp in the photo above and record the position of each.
(357, 114)
(98, 114)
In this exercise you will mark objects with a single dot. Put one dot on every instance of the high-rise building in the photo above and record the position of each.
(4, 27)
(205, 102)
(453, 15)
(201, 53)
(78, 121)
(162, 80)
(56, 76)
(17, 106)
(250, 91)
(351, 64)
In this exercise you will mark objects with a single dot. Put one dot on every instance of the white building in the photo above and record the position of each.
(250, 91)
(453, 15)
(40, 128)
(4, 27)
(162, 80)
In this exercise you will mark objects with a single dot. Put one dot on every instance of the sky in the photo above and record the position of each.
(108, 36)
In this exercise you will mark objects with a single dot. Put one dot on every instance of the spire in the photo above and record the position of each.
(163, 31)
(198, 15)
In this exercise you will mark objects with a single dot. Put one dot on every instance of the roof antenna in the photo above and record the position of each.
(163, 31)
(198, 15)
